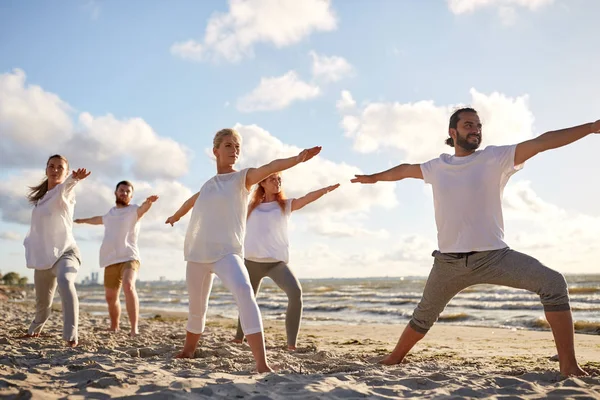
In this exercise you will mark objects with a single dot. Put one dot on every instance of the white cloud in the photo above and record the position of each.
(330, 69)
(105, 139)
(521, 202)
(35, 124)
(419, 129)
(508, 15)
(565, 240)
(232, 36)
(13, 190)
(29, 116)
(334, 226)
(12, 236)
(346, 103)
(507, 9)
(469, 6)
(410, 248)
(277, 93)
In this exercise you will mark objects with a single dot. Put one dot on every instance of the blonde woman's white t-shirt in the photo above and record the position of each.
(218, 221)
(267, 233)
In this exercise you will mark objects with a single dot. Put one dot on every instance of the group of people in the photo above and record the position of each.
(241, 236)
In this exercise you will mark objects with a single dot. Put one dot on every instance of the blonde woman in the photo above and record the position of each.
(214, 241)
(50, 248)
(266, 247)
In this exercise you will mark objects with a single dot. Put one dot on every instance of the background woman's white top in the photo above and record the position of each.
(267, 233)
(51, 231)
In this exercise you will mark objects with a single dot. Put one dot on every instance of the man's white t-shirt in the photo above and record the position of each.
(121, 231)
(218, 221)
(267, 233)
(467, 197)
(51, 231)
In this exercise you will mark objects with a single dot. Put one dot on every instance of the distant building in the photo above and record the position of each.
(90, 280)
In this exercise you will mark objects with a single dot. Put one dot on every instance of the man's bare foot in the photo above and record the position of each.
(575, 370)
(291, 348)
(72, 343)
(237, 341)
(134, 333)
(113, 330)
(390, 360)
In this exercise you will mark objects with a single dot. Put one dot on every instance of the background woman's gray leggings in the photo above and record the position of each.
(283, 277)
(63, 274)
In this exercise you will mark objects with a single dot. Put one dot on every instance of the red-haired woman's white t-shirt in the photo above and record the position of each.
(267, 233)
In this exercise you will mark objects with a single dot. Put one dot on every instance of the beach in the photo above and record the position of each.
(333, 361)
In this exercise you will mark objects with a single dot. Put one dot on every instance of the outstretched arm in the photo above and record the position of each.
(75, 177)
(91, 221)
(256, 175)
(312, 196)
(552, 140)
(143, 209)
(397, 173)
(184, 209)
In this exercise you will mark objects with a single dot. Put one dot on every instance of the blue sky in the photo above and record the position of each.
(136, 91)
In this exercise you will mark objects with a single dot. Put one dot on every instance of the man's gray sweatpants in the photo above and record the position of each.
(63, 273)
(453, 272)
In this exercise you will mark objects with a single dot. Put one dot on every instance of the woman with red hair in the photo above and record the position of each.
(266, 247)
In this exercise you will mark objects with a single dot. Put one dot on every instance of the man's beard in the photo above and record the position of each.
(121, 202)
(465, 144)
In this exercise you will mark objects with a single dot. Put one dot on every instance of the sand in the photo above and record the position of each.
(332, 362)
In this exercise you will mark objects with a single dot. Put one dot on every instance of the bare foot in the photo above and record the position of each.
(237, 341)
(185, 354)
(72, 343)
(134, 333)
(389, 360)
(575, 370)
(263, 368)
(114, 330)
(28, 335)
(291, 348)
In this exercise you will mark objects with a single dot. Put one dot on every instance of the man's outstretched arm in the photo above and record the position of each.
(92, 221)
(397, 173)
(552, 140)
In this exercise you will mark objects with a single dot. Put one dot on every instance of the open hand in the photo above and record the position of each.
(307, 154)
(81, 173)
(152, 198)
(596, 127)
(171, 220)
(363, 179)
(332, 188)
(78, 221)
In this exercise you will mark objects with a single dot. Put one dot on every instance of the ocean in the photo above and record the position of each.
(376, 301)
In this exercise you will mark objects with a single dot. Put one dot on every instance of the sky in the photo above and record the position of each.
(136, 90)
